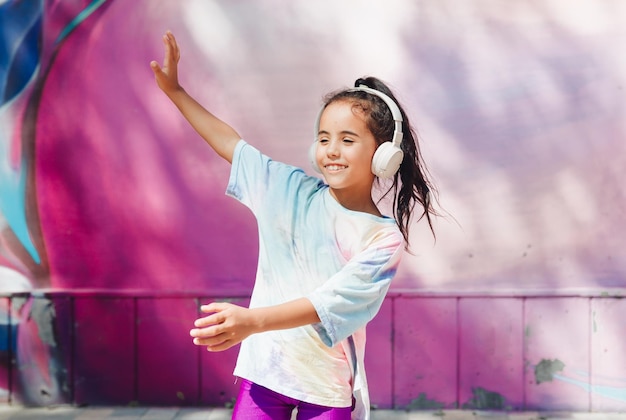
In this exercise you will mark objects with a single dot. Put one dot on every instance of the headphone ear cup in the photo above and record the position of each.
(312, 159)
(387, 160)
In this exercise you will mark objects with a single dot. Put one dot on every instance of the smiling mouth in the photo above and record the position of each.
(335, 167)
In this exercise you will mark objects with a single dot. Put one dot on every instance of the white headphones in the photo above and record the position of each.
(388, 156)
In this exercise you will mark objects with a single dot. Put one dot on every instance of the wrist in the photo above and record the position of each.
(259, 320)
(174, 92)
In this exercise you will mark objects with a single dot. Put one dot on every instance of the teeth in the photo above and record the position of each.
(334, 167)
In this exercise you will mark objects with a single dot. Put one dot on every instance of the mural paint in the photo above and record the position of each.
(22, 38)
(20, 64)
(25, 63)
(584, 381)
(32, 33)
(103, 187)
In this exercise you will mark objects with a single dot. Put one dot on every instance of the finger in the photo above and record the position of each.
(172, 52)
(211, 341)
(210, 320)
(221, 344)
(206, 329)
(174, 45)
(197, 332)
(203, 338)
(155, 67)
(168, 51)
(221, 347)
(214, 307)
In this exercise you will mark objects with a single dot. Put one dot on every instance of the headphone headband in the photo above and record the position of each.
(393, 107)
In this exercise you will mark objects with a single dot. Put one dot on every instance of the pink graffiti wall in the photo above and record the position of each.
(112, 210)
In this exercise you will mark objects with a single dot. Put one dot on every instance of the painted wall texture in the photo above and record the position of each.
(114, 225)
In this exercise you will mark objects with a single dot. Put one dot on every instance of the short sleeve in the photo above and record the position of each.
(353, 296)
(248, 173)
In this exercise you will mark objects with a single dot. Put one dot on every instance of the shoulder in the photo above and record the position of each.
(252, 156)
(267, 174)
(386, 236)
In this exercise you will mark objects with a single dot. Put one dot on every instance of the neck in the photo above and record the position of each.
(361, 203)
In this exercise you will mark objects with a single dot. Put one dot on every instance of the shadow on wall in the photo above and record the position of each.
(522, 115)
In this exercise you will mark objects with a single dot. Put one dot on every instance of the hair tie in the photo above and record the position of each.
(360, 82)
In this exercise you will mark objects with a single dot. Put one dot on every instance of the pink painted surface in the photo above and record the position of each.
(608, 345)
(156, 179)
(491, 361)
(557, 334)
(104, 351)
(379, 357)
(426, 352)
(124, 195)
(167, 360)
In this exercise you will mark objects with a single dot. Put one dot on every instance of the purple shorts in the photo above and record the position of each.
(257, 402)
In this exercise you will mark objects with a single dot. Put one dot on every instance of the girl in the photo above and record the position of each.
(326, 254)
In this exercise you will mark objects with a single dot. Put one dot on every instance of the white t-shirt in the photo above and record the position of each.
(311, 246)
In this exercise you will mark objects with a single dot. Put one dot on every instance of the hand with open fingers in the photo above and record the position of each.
(167, 75)
(226, 326)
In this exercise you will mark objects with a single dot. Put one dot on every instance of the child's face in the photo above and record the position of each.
(345, 149)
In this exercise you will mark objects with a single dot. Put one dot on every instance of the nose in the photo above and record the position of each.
(332, 149)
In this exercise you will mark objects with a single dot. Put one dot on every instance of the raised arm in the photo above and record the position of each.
(219, 135)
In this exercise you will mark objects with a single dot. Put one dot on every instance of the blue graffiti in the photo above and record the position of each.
(616, 393)
(20, 52)
(547, 370)
(19, 47)
(21, 23)
(92, 7)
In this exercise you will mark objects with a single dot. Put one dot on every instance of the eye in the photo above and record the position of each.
(348, 140)
(323, 140)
